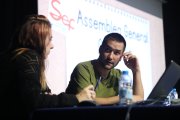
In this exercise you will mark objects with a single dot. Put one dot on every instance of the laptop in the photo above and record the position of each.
(165, 84)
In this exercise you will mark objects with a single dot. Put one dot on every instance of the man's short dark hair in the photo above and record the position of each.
(114, 36)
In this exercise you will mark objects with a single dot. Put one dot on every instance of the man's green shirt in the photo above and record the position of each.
(84, 74)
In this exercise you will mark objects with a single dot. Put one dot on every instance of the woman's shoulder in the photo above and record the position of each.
(25, 55)
(30, 52)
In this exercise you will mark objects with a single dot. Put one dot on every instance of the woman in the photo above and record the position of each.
(23, 72)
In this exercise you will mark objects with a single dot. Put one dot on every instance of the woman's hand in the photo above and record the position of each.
(87, 94)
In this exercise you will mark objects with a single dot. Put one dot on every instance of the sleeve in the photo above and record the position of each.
(80, 78)
(30, 89)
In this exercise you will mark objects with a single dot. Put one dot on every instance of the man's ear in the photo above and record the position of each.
(120, 58)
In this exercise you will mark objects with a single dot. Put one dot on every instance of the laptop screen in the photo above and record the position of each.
(167, 82)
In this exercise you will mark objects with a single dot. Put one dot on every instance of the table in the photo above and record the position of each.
(136, 112)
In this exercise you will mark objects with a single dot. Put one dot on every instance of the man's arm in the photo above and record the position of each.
(80, 78)
(138, 90)
(107, 101)
(132, 63)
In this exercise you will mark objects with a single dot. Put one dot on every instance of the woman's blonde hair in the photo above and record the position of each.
(32, 35)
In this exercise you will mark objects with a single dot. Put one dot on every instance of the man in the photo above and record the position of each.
(102, 74)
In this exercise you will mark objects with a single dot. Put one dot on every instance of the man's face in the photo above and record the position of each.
(111, 54)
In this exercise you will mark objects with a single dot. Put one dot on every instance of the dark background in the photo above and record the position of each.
(13, 12)
(171, 19)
